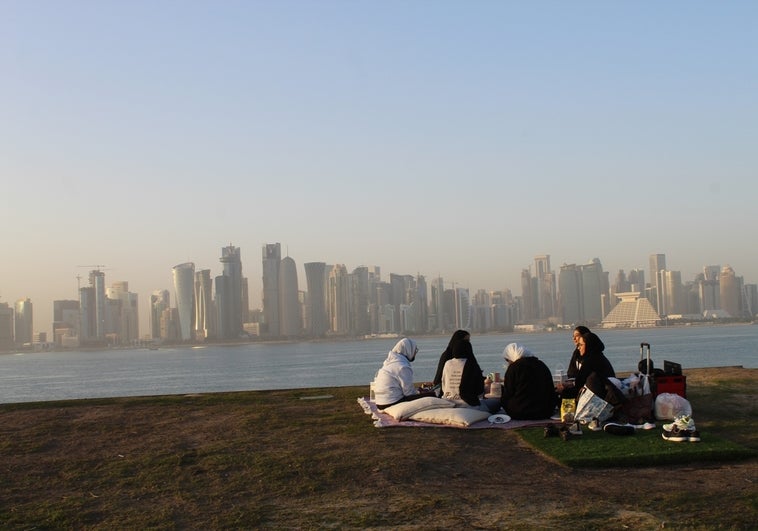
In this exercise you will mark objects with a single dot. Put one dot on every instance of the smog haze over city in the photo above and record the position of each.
(453, 139)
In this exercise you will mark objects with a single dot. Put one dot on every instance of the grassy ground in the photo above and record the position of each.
(311, 459)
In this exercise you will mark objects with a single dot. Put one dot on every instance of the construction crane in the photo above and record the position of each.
(96, 266)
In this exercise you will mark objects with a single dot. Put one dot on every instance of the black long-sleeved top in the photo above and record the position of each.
(528, 391)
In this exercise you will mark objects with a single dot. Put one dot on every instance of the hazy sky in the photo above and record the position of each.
(458, 139)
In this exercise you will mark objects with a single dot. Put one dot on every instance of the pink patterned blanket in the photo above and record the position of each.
(383, 420)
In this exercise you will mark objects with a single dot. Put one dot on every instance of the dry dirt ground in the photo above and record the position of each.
(276, 460)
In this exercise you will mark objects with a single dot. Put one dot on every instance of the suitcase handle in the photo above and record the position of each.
(642, 356)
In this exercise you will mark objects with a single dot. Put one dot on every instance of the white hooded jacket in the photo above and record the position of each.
(394, 380)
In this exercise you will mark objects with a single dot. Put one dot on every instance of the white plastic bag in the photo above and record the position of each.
(590, 406)
(668, 406)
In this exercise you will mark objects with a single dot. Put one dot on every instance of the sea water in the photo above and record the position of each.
(44, 376)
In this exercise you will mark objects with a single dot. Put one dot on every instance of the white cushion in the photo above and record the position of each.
(460, 416)
(403, 410)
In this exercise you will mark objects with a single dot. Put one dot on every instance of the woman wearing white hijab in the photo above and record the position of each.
(394, 381)
(528, 390)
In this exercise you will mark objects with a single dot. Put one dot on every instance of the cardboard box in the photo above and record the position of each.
(671, 384)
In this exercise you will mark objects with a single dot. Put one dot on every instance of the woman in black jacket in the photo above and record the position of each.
(528, 391)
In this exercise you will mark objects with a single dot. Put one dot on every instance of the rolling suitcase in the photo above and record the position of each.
(639, 407)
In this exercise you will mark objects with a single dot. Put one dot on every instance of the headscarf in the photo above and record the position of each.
(457, 336)
(515, 351)
(592, 344)
(462, 349)
(407, 347)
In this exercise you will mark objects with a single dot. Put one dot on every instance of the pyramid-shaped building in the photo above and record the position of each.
(633, 311)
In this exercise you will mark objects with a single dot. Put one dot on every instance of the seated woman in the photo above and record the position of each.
(393, 383)
(458, 335)
(528, 391)
(594, 369)
(463, 381)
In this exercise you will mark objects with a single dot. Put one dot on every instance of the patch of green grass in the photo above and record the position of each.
(644, 448)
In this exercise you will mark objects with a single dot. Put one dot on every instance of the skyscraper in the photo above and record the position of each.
(546, 287)
(289, 307)
(160, 301)
(730, 290)
(6, 326)
(205, 314)
(24, 321)
(97, 282)
(571, 294)
(657, 265)
(272, 257)
(315, 275)
(184, 287)
(230, 317)
(593, 280)
(339, 299)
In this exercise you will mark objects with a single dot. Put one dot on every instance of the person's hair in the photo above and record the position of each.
(582, 330)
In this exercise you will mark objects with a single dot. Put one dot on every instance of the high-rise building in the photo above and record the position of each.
(272, 257)
(205, 312)
(289, 305)
(233, 313)
(436, 309)
(593, 291)
(124, 320)
(673, 292)
(6, 326)
(529, 296)
(160, 301)
(462, 308)
(360, 292)
(730, 291)
(657, 266)
(97, 281)
(315, 276)
(571, 294)
(421, 305)
(24, 321)
(546, 287)
(339, 288)
(184, 293)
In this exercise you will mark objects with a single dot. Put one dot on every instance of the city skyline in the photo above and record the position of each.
(105, 283)
(455, 139)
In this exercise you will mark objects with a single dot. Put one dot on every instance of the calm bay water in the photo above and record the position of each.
(43, 376)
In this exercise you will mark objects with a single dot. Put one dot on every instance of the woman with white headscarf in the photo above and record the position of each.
(394, 381)
(528, 390)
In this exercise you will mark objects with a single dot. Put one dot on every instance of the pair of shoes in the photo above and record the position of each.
(570, 431)
(594, 425)
(616, 428)
(643, 424)
(682, 429)
(551, 431)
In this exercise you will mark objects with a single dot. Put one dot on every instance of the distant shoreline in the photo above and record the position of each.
(149, 345)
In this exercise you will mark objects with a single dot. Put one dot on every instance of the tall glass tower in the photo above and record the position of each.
(272, 257)
(230, 258)
(184, 286)
(24, 321)
(204, 314)
(289, 305)
(315, 276)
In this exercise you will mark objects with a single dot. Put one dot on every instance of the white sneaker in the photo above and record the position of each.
(682, 423)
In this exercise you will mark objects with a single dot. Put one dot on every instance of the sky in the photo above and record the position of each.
(445, 138)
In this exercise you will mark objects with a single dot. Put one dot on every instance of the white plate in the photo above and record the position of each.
(499, 418)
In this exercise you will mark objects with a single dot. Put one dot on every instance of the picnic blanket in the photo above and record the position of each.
(383, 420)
